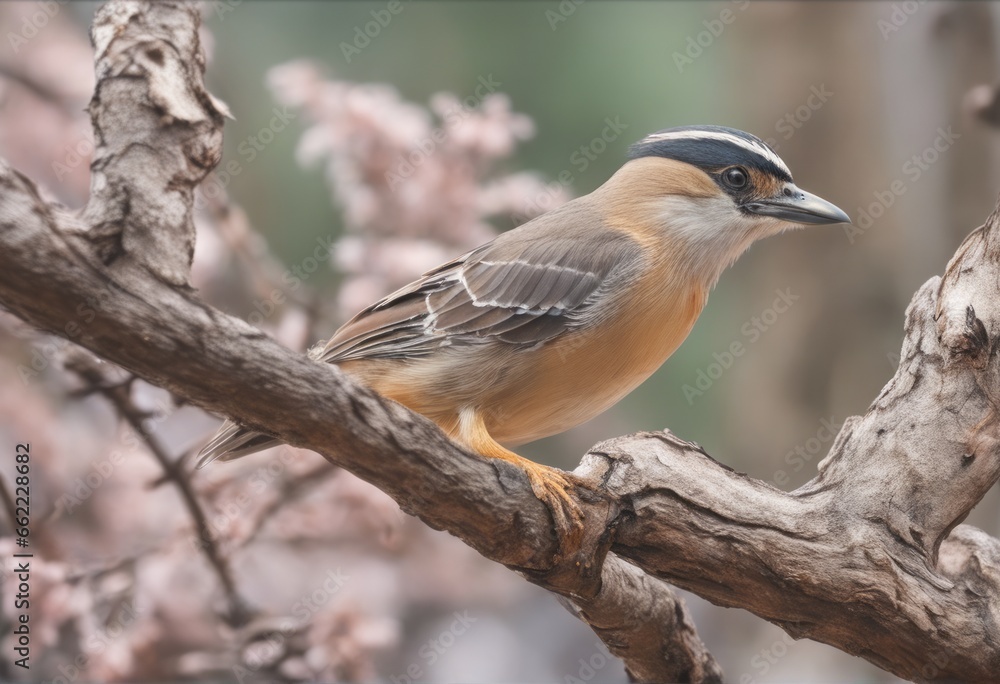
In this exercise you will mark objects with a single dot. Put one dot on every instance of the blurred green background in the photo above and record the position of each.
(885, 93)
(891, 78)
(854, 97)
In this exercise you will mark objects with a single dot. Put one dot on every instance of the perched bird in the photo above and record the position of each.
(555, 321)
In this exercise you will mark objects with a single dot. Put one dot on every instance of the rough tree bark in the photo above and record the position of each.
(866, 557)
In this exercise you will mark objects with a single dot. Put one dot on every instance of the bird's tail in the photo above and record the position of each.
(233, 441)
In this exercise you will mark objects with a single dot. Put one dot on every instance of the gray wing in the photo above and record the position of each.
(526, 287)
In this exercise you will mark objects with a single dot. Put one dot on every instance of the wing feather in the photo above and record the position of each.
(526, 287)
(530, 285)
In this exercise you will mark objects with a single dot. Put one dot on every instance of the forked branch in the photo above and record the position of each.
(866, 557)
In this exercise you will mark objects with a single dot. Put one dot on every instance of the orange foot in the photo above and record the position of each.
(550, 485)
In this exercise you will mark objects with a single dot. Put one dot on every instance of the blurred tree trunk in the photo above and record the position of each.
(811, 369)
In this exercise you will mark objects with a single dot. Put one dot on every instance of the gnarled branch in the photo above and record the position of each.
(866, 557)
(115, 281)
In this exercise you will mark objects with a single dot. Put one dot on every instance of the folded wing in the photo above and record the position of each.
(525, 288)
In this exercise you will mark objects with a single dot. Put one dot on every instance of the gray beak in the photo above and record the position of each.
(798, 206)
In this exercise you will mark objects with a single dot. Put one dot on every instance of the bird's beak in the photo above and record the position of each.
(799, 206)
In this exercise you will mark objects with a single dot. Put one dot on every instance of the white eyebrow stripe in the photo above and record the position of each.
(748, 145)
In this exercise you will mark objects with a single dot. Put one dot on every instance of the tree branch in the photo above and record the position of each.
(114, 281)
(866, 557)
(861, 556)
(120, 396)
(171, 339)
(157, 132)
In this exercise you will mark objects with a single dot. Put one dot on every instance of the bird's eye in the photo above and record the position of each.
(736, 177)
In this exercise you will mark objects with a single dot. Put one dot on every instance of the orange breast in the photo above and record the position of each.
(524, 395)
(583, 374)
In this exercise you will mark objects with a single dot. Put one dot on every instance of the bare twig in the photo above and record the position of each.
(290, 491)
(120, 396)
(264, 271)
(40, 89)
(868, 557)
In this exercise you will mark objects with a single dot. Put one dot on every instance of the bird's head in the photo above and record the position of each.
(714, 191)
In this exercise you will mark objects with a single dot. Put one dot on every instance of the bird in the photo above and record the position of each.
(553, 322)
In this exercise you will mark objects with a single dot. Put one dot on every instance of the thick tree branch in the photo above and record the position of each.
(171, 339)
(114, 281)
(866, 557)
(861, 556)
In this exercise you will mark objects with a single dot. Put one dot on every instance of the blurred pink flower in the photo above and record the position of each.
(416, 184)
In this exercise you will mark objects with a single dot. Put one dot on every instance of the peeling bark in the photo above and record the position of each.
(153, 121)
(868, 557)
(114, 280)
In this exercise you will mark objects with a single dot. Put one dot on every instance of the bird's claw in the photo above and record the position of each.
(551, 487)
